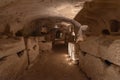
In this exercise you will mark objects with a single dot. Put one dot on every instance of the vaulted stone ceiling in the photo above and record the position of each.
(26, 9)
(19, 12)
(97, 14)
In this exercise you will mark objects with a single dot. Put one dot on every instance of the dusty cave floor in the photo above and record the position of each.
(53, 66)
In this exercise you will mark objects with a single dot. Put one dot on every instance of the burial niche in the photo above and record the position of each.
(114, 26)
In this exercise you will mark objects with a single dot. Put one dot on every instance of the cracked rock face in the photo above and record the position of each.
(100, 15)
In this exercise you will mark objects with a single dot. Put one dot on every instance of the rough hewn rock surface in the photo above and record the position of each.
(12, 66)
(10, 46)
(32, 48)
(99, 14)
(99, 58)
(17, 13)
(45, 46)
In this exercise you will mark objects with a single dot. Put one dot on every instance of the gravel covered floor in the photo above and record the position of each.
(53, 66)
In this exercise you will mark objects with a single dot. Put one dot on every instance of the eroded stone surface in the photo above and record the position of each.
(112, 73)
(45, 46)
(91, 46)
(106, 48)
(32, 48)
(98, 14)
(92, 66)
(10, 46)
(104, 66)
(113, 52)
(12, 66)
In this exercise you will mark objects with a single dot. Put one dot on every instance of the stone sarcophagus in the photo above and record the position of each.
(100, 58)
(13, 58)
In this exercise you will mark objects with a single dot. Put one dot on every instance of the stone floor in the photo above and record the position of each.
(53, 66)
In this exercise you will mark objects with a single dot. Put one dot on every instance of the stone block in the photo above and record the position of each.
(12, 66)
(111, 52)
(93, 67)
(10, 46)
(101, 62)
(91, 46)
(45, 46)
(106, 48)
(32, 48)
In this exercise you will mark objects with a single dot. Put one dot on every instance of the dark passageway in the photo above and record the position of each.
(53, 66)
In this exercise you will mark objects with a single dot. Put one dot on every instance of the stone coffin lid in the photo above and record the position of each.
(11, 46)
(113, 52)
(91, 46)
(107, 48)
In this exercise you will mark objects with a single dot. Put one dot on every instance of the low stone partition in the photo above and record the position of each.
(13, 58)
(45, 45)
(99, 58)
(32, 48)
(42, 38)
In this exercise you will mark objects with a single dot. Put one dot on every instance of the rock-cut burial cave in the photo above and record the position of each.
(59, 40)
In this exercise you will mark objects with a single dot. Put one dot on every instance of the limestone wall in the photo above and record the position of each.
(99, 14)
(99, 58)
(17, 54)
(13, 58)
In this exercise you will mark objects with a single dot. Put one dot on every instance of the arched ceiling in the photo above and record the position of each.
(49, 22)
(54, 20)
(17, 13)
(28, 9)
(96, 13)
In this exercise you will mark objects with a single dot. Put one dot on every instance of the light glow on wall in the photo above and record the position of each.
(71, 51)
